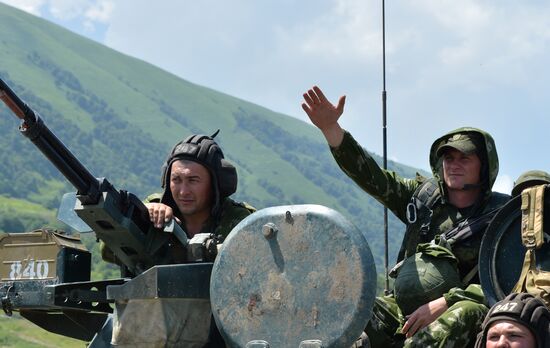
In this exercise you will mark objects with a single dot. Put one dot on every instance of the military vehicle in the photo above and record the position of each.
(289, 276)
(503, 250)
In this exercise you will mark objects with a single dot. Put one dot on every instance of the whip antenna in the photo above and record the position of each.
(384, 141)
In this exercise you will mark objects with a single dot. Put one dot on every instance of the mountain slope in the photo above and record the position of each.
(120, 116)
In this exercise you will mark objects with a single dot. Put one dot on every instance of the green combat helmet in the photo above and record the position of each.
(521, 308)
(425, 276)
(528, 179)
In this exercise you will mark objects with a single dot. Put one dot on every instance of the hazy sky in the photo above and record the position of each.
(448, 63)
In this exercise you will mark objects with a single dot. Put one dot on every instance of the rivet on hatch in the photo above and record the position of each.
(288, 217)
(269, 230)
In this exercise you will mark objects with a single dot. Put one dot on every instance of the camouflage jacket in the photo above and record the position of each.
(396, 192)
(231, 213)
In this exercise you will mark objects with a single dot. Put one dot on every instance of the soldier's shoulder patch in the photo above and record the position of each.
(246, 206)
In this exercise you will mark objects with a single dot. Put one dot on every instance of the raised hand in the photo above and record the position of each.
(324, 114)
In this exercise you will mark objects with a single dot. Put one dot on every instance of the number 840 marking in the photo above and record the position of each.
(32, 270)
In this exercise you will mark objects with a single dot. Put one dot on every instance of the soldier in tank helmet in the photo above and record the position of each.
(197, 182)
(518, 321)
(439, 302)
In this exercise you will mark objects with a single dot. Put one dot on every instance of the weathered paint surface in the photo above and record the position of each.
(285, 278)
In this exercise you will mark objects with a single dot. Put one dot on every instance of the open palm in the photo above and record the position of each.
(322, 112)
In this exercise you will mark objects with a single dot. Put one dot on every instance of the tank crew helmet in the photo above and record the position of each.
(528, 179)
(522, 308)
(205, 151)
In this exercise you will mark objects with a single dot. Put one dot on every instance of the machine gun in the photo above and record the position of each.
(55, 291)
(289, 276)
(117, 217)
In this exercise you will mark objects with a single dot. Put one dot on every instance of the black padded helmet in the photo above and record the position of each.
(522, 308)
(205, 151)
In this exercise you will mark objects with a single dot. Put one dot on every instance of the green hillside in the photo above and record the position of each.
(16, 332)
(120, 116)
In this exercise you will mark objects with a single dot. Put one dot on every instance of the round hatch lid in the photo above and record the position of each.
(293, 273)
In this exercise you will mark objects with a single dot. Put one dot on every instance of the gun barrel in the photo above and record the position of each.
(34, 128)
(118, 218)
(11, 100)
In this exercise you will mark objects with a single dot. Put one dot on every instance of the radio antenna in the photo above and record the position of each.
(384, 141)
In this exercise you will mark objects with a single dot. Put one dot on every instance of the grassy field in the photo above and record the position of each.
(16, 332)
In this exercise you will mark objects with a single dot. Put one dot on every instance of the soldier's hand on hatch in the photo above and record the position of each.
(321, 112)
(424, 316)
(159, 214)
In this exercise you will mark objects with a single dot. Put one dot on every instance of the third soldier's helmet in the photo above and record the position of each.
(528, 179)
(521, 308)
(205, 151)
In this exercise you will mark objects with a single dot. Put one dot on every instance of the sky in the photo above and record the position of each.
(480, 63)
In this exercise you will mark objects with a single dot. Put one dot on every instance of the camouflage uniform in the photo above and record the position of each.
(458, 326)
(224, 213)
(231, 213)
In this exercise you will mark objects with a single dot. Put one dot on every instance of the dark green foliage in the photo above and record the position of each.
(20, 216)
(131, 143)
(61, 77)
(13, 224)
(172, 113)
(275, 192)
(100, 269)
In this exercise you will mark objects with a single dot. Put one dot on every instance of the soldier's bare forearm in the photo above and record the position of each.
(334, 135)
